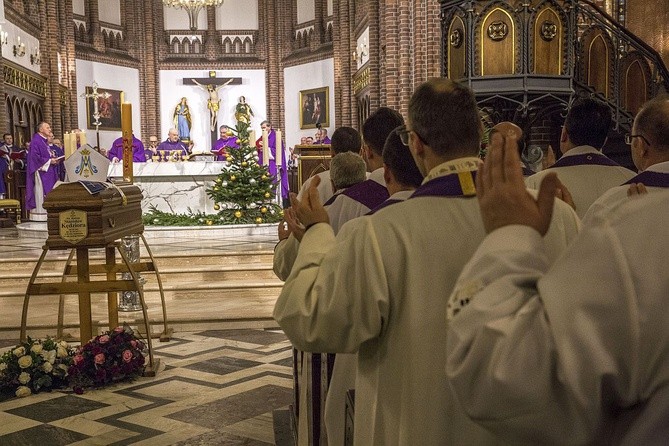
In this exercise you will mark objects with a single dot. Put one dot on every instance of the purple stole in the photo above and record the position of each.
(459, 184)
(527, 171)
(386, 203)
(586, 158)
(369, 193)
(38, 156)
(651, 179)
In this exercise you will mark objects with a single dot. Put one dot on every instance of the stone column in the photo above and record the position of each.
(211, 43)
(94, 29)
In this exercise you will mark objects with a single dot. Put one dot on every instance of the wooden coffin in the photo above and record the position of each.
(76, 218)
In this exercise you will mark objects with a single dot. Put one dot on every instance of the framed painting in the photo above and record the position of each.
(315, 108)
(109, 109)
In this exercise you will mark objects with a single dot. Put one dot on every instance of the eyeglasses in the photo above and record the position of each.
(403, 133)
(629, 138)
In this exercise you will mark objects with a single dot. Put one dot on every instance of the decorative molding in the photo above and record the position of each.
(361, 80)
(548, 30)
(111, 31)
(300, 31)
(498, 30)
(80, 23)
(23, 80)
(242, 37)
(181, 37)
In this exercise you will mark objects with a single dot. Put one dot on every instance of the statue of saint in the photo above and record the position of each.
(214, 102)
(243, 111)
(182, 121)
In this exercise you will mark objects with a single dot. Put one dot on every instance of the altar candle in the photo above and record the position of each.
(279, 149)
(126, 133)
(265, 148)
(82, 139)
(73, 142)
(66, 144)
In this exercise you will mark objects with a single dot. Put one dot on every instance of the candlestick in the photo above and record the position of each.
(82, 138)
(278, 156)
(265, 148)
(126, 133)
(73, 142)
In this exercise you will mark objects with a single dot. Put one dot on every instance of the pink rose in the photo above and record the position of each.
(127, 356)
(118, 330)
(103, 339)
(133, 343)
(100, 358)
(78, 359)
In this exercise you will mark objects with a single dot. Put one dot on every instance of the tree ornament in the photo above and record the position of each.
(253, 206)
(217, 207)
(233, 178)
(209, 222)
(216, 188)
(218, 180)
(244, 164)
(228, 164)
(228, 133)
(264, 177)
(228, 158)
(238, 214)
(267, 195)
(225, 183)
(238, 141)
(252, 181)
(263, 209)
(258, 220)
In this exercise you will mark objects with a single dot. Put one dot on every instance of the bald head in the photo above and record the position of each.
(507, 128)
(653, 123)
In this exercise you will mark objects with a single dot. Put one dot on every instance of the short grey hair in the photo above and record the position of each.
(347, 169)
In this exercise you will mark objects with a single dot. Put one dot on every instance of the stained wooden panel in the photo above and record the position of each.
(597, 56)
(548, 37)
(634, 84)
(456, 49)
(497, 43)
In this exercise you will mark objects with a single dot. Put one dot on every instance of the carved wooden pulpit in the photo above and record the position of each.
(313, 159)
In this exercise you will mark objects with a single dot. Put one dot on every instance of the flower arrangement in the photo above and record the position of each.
(113, 356)
(35, 365)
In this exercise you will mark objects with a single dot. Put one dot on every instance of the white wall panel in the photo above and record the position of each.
(110, 11)
(237, 14)
(306, 11)
(177, 18)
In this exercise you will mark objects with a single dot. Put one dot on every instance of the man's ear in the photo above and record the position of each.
(564, 136)
(387, 174)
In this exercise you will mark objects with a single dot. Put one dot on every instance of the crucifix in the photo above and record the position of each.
(96, 111)
(211, 85)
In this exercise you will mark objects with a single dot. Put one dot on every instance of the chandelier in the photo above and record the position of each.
(193, 8)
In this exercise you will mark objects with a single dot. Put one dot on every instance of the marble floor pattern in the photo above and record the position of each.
(216, 387)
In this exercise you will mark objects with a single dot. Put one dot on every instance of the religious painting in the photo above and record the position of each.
(108, 109)
(315, 108)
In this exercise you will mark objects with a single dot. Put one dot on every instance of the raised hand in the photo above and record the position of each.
(310, 210)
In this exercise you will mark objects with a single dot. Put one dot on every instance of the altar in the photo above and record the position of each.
(174, 186)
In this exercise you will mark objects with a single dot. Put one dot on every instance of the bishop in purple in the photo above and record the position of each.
(41, 174)
(271, 142)
(223, 143)
(172, 144)
(115, 154)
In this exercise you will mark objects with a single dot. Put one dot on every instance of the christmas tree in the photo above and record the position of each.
(244, 191)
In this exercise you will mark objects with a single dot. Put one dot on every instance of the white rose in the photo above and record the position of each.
(62, 353)
(3, 366)
(25, 361)
(24, 378)
(63, 344)
(50, 356)
(22, 391)
(36, 348)
(19, 351)
(47, 367)
(63, 367)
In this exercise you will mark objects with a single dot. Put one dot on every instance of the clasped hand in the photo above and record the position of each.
(309, 210)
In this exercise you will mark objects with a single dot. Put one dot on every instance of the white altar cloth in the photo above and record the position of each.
(174, 186)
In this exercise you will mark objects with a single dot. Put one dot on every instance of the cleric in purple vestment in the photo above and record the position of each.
(41, 171)
(115, 153)
(271, 142)
(223, 143)
(172, 144)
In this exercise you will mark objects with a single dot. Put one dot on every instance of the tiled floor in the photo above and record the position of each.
(212, 388)
(216, 387)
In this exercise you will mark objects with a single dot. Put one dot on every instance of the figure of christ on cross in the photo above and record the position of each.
(211, 85)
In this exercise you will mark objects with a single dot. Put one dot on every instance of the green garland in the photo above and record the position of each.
(155, 217)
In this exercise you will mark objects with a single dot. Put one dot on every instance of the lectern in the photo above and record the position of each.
(313, 159)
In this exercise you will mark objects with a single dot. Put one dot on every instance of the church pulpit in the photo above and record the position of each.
(16, 189)
(313, 159)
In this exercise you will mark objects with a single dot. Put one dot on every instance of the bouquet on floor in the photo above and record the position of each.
(110, 357)
(35, 365)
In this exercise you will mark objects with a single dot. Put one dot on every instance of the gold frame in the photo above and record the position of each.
(117, 97)
(323, 94)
